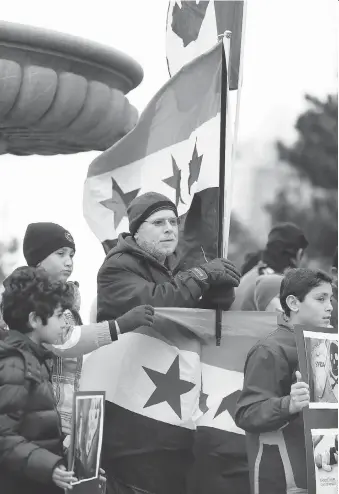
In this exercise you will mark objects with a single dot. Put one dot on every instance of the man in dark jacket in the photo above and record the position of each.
(139, 269)
(284, 249)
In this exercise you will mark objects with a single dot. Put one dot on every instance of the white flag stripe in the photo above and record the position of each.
(148, 174)
(177, 54)
(218, 383)
(119, 372)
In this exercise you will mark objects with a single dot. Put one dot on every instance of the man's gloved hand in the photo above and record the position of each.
(143, 315)
(217, 272)
(217, 297)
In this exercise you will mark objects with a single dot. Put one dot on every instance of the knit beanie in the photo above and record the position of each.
(143, 206)
(41, 239)
(289, 235)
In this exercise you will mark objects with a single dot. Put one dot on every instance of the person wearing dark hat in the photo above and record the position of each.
(50, 247)
(139, 269)
(284, 249)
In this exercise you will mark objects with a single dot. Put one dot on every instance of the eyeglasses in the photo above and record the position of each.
(161, 222)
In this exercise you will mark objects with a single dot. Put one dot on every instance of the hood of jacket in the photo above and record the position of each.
(127, 245)
(16, 342)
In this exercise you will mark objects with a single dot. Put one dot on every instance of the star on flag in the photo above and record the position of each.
(228, 404)
(119, 201)
(169, 387)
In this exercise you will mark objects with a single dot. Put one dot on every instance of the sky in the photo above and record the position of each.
(290, 49)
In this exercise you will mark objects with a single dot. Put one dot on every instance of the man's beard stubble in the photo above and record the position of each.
(151, 249)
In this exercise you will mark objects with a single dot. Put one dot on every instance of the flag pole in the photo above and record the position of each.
(235, 128)
(226, 40)
(226, 205)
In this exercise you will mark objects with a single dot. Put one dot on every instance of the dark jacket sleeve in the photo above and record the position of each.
(262, 406)
(120, 289)
(17, 454)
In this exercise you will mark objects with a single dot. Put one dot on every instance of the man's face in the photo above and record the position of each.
(159, 233)
(316, 308)
(53, 331)
(59, 264)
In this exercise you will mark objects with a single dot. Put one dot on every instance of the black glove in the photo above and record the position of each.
(217, 297)
(217, 272)
(143, 315)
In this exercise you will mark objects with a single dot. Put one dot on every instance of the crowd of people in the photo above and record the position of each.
(43, 339)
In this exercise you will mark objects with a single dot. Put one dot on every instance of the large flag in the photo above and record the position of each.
(193, 28)
(170, 399)
(219, 448)
(152, 380)
(174, 149)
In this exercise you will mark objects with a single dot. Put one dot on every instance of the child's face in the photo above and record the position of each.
(53, 331)
(316, 308)
(59, 264)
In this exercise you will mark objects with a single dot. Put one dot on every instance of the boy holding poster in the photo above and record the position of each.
(273, 395)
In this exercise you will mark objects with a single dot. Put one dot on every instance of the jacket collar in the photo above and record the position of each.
(127, 244)
(32, 354)
(21, 341)
(284, 322)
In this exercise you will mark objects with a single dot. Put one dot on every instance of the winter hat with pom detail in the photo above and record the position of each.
(143, 206)
(42, 239)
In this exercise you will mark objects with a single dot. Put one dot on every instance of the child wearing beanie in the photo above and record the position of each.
(50, 246)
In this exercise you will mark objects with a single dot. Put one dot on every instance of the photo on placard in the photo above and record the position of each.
(87, 435)
(322, 363)
(325, 451)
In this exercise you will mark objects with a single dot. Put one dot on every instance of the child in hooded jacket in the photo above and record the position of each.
(31, 439)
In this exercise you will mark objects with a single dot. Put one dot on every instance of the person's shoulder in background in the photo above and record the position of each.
(267, 292)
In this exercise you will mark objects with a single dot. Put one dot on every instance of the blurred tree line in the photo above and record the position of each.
(310, 199)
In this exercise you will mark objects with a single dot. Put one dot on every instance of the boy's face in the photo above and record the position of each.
(59, 264)
(53, 331)
(316, 308)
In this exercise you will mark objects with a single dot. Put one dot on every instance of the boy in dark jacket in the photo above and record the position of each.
(31, 450)
(273, 395)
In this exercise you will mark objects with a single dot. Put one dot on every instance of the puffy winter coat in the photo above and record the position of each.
(130, 277)
(30, 429)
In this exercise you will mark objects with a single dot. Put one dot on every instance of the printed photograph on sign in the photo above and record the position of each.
(322, 362)
(87, 435)
(325, 449)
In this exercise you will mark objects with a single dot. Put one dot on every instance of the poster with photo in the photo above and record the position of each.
(318, 364)
(86, 440)
(322, 365)
(325, 452)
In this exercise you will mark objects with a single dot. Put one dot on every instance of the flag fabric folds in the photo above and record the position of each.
(193, 28)
(152, 377)
(170, 398)
(174, 150)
